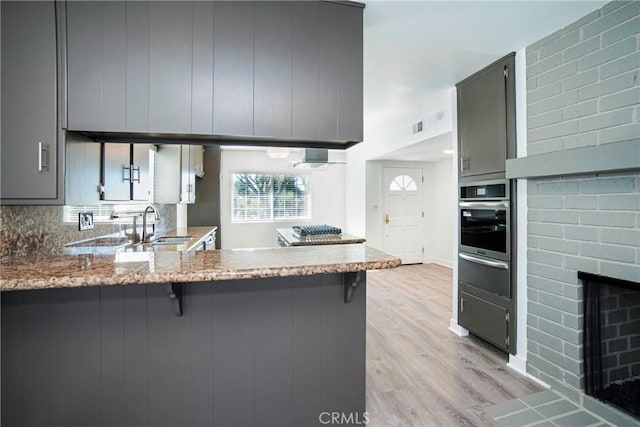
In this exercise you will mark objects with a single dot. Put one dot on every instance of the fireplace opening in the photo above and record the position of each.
(612, 341)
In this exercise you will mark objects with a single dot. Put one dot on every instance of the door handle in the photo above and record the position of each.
(386, 219)
(494, 264)
(42, 148)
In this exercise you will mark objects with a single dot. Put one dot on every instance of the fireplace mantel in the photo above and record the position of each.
(621, 156)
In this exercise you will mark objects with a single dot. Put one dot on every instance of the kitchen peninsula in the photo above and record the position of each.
(224, 337)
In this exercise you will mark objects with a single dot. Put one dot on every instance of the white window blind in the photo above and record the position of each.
(268, 197)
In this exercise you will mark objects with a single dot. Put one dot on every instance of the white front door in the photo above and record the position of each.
(403, 215)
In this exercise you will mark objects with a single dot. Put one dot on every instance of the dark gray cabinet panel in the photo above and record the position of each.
(97, 65)
(273, 347)
(305, 90)
(328, 52)
(135, 356)
(84, 65)
(247, 352)
(272, 91)
(233, 68)
(29, 110)
(170, 55)
(137, 86)
(75, 375)
(350, 83)
(202, 85)
(114, 70)
(484, 134)
(112, 347)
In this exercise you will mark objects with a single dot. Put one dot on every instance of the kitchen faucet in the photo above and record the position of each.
(134, 236)
(156, 216)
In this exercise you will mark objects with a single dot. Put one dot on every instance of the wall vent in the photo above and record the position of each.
(417, 128)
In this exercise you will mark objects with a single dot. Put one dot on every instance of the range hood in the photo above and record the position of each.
(314, 158)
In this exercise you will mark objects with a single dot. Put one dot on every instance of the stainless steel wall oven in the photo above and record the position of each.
(484, 211)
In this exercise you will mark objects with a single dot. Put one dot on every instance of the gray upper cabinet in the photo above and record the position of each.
(486, 119)
(305, 76)
(233, 69)
(137, 67)
(272, 79)
(170, 54)
(350, 63)
(202, 84)
(29, 103)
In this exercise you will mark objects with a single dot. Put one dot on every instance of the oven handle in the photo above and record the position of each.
(487, 205)
(494, 264)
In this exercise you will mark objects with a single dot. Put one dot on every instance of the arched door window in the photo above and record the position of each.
(403, 183)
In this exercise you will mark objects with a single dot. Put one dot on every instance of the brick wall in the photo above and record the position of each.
(582, 90)
(582, 82)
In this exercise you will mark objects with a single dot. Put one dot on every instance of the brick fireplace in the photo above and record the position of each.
(583, 182)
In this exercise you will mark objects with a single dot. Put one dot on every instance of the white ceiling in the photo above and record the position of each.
(414, 48)
(430, 150)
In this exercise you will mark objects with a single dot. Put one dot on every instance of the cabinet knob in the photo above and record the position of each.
(387, 220)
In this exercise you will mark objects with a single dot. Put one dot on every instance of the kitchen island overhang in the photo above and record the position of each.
(269, 344)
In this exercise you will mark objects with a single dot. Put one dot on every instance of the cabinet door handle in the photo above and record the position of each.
(41, 149)
(126, 169)
(134, 170)
(463, 164)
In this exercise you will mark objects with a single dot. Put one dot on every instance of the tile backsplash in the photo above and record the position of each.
(28, 230)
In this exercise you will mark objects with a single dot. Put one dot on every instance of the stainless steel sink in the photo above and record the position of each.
(178, 240)
(100, 241)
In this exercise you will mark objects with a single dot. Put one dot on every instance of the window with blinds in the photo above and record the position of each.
(267, 197)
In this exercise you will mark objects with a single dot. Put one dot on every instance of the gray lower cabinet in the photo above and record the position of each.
(29, 102)
(486, 119)
(256, 352)
(264, 69)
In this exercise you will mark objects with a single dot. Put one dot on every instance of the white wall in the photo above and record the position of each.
(440, 241)
(327, 196)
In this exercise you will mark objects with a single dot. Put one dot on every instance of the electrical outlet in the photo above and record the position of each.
(85, 221)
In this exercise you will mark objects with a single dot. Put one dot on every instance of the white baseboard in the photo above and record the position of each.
(439, 261)
(457, 329)
(519, 364)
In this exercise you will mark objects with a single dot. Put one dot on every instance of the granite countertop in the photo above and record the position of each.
(141, 267)
(327, 239)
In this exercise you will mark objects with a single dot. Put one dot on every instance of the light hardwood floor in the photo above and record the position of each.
(418, 372)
